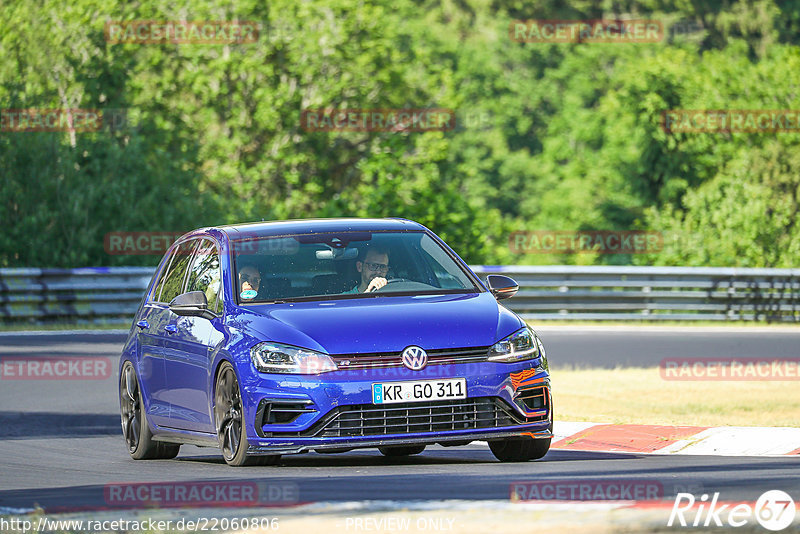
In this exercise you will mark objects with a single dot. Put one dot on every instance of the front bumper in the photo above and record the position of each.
(461, 439)
(293, 414)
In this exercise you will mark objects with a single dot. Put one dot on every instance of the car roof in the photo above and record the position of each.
(310, 226)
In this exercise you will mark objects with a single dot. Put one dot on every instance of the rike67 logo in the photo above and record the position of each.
(774, 510)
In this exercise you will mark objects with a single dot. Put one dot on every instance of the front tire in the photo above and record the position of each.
(523, 449)
(519, 449)
(229, 417)
(135, 429)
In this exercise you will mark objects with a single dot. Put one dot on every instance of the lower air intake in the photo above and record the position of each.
(414, 417)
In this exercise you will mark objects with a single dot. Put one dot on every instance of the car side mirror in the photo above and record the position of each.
(502, 287)
(192, 303)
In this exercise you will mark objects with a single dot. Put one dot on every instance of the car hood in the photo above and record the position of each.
(384, 324)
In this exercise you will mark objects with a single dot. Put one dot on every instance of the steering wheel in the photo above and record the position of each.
(390, 281)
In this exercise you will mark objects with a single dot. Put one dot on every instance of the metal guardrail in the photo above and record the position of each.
(95, 294)
(112, 294)
(653, 293)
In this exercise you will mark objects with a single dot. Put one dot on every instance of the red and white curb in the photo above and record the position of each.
(661, 439)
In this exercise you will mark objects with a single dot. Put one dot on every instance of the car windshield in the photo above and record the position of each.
(344, 265)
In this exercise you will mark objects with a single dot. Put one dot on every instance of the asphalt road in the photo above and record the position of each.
(585, 346)
(61, 445)
(609, 347)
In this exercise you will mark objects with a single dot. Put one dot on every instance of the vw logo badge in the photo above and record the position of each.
(415, 358)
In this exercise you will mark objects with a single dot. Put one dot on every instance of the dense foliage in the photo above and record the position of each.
(548, 136)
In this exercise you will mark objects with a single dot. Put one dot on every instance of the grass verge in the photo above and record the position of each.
(641, 396)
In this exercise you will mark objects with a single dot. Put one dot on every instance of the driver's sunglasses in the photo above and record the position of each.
(250, 279)
(382, 267)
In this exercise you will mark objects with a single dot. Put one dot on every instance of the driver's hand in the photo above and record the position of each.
(375, 284)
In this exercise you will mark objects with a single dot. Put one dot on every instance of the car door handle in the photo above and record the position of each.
(171, 328)
(143, 324)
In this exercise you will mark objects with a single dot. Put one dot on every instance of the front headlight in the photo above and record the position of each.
(271, 357)
(519, 346)
(544, 365)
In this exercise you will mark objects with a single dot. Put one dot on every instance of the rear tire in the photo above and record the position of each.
(135, 429)
(405, 450)
(229, 418)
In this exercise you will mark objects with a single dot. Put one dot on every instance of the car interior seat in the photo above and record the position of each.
(274, 287)
(330, 284)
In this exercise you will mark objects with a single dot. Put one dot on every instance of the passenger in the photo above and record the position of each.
(249, 282)
(373, 271)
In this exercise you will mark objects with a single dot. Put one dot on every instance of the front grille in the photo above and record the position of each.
(375, 360)
(413, 417)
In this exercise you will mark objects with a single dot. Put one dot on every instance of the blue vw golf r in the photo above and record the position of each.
(329, 335)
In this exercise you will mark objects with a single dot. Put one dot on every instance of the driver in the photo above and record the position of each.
(373, 270)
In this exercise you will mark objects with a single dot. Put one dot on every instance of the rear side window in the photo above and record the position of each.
(205, 275)
(172, 285)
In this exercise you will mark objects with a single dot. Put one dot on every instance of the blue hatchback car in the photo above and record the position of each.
(329, 335)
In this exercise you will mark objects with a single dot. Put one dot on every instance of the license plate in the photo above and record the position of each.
(419, 391)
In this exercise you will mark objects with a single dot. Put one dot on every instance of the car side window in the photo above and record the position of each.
(173, 282)
(435, 257)
(205, 275)
(163, 276)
